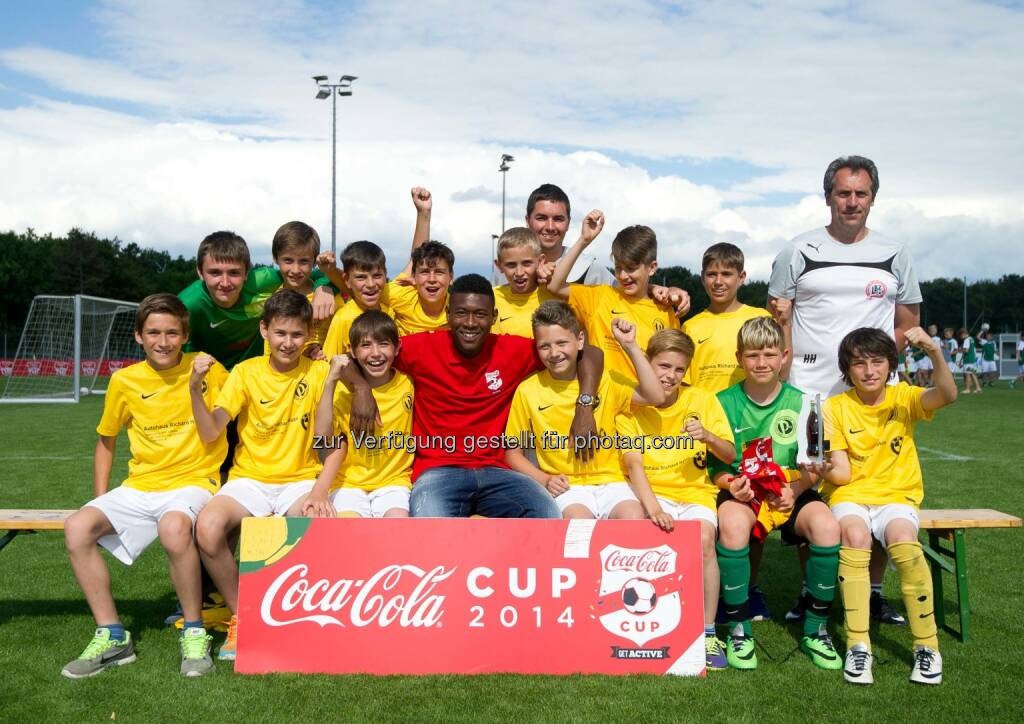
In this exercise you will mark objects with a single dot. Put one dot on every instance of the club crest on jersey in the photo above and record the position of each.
(304, 421)
(639, 595)
(658, 325)
(407, 402)
(875, 289)
(784, 426)
(301, 389)
(494, 381)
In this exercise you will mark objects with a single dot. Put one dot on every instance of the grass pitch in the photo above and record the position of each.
(971, 457)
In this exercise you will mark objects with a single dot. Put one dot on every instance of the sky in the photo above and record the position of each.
(161, 122)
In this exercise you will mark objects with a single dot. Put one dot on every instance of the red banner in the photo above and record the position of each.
(46, 367)
(469, 596)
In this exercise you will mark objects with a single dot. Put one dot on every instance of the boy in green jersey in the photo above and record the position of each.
(226, 302)
(763, 406)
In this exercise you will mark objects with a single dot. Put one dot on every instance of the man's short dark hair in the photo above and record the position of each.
(363, 256)
(288, 304)
(548, 192)
(854, 163)
(472, 284)
(866, 342)
(431, 252)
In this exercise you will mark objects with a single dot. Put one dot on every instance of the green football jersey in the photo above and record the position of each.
(749, 420)
(967, 349)
(988, 351)
(233, 335)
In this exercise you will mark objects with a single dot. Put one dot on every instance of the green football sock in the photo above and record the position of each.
(822, 569)
(735, 573)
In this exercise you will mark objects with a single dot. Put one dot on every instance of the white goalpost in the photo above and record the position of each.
(69, 347)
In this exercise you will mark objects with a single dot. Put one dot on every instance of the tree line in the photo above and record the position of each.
(83, 263)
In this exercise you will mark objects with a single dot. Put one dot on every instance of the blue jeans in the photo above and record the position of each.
(453, 492)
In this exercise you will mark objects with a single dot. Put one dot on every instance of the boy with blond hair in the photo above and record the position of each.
(545, 402)
(359, 477)
(713, 331)
(670, 477)
(762, 406)
(519, 258)
(172, 474)
(274, 399)
(634, 252)
(874, 486)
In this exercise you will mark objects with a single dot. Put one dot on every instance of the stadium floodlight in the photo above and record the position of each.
(506, 159)
(325, 90)
(69, 347)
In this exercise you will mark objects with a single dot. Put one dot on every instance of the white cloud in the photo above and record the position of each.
(216, 126)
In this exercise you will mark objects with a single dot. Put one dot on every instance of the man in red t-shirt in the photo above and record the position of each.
(465, 378)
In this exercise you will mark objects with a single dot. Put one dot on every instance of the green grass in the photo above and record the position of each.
(44, 622)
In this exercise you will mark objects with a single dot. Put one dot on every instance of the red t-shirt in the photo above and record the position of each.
(459, 396)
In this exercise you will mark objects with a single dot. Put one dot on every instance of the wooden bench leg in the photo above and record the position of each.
(960, 558)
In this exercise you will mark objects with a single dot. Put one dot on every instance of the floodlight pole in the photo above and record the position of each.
(342, 88)
(506, 159)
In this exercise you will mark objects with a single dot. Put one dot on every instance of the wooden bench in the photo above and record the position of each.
(940, 525)
(15, 522)
(951, 525)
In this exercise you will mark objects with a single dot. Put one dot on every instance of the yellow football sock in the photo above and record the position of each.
(916, 585)
(855, 588)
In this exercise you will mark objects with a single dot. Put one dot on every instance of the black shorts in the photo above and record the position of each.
(232, 432)
(787, 529)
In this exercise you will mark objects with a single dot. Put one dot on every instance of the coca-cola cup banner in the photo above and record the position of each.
(469, 596)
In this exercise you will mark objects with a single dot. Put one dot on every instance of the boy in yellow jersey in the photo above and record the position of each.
(171, 476)
(543, 408)
(670, 477)
(634, 251)
(421, 306)
(364, 269)
(873, 484)
(366, 475)
(762, 406)
(519, 257)
(274, 399)
(295, 248)
(713, 331)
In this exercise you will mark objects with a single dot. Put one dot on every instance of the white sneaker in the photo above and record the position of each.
(927, 666)
(857, 669)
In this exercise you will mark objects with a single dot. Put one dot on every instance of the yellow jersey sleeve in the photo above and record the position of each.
(519, 412)
(233, 397)
(115, 412)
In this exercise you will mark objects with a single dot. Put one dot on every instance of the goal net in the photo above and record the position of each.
(69, 347)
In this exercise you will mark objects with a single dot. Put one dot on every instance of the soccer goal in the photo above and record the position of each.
(69, 347)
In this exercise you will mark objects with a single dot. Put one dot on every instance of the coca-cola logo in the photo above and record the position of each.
(61, 369)
(35, 369)
(649, 561)
(89, 368)
(382, 599)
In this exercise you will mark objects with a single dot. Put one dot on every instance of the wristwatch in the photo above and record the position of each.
(585, 400)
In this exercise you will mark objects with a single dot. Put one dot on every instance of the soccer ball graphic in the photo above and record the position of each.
(639, 596)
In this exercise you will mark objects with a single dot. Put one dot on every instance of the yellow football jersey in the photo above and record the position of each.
(156, 407)
(275, 419)
(515, 311)
(318, 332)
(404, 302)
(542, 404)
(676, 465)
(714, 366)
(597, 306)
(880, 443)
(384, 459)
(337, 341)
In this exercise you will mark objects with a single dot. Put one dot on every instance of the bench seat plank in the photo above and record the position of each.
(951, 518)
(33, 519)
